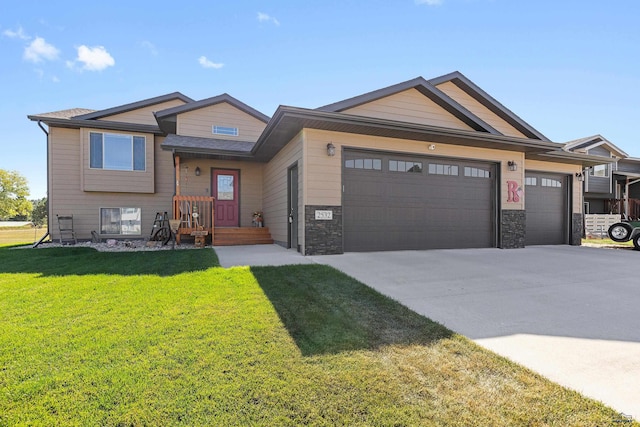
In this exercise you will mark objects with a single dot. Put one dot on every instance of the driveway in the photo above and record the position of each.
(569, 313)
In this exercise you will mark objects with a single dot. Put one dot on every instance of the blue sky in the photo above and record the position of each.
(569, 68)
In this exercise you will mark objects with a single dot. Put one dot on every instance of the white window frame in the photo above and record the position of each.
(132, 228)
(126, 138)
(225, 130)
(603, 171)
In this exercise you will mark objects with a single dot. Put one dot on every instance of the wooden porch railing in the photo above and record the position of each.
(184, 208)
(617, 206)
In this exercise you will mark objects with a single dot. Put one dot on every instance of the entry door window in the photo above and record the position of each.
(225, 187)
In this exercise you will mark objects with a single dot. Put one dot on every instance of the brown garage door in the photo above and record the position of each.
(546, 204)
(396, 202)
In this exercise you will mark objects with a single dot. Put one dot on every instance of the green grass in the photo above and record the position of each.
(168, 338)
(608, 242)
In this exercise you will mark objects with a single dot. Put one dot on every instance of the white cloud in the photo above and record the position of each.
(150, 46)
(17, 34)
(263, 17)
(209, 64)
(93, 58)
(430, 2)
(39, 50)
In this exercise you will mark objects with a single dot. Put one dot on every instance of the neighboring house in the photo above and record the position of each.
(421, 164)
(612, 187)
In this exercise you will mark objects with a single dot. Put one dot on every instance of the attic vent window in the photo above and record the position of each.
(225, 130)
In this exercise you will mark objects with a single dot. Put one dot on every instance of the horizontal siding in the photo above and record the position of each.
(199, 122)
(599, 151)
(409, 106)
(67, 196)
(468, 102)
(250, 183)
(275, 197)
(143, 116)
(118, 181)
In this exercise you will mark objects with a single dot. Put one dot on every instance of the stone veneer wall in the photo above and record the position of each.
(577, 229)
(323, 237)
(513, 227)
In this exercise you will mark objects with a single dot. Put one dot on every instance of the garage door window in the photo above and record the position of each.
(531, 181)
(441, 169)
(364, 163)
(476, 172)
(548, 182)
(404, 166)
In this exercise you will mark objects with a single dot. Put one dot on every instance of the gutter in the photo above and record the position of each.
(48, 192)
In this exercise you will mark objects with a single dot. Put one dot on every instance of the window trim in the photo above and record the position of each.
(138, 144)
(225, 130)
(121, 209)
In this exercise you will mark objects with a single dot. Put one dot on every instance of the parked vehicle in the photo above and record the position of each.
(625, 231)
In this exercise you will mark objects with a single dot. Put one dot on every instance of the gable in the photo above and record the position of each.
(200, 122)
(471, 104)
(143, 115)
(409, 106)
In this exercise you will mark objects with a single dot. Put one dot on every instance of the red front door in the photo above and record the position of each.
(225, 191)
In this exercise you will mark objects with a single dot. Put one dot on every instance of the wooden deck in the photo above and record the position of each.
(241, 236)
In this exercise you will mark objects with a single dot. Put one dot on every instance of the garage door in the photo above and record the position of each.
(546, 204)
(396, 202)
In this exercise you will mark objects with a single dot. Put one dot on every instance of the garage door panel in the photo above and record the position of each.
(546, 200)
(390, 210)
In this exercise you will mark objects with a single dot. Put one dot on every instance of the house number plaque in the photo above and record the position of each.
(324, 215)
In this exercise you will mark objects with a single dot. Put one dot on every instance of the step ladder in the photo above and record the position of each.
(65, 227)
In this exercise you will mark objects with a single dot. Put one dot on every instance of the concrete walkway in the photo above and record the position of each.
(569, 313)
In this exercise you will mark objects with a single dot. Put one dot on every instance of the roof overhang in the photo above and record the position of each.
(560, 156)
(96, 124)
(289, 121)
(196, 147)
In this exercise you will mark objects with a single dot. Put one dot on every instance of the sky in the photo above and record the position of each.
(570, 69)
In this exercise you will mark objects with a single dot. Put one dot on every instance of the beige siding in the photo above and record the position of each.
(535, 165)
(409, 106)
(322, 173)
(200, 122)
(67, 196)
(250, 183)
(276, 192)
(479, 110)
(118, 181)
(143, 116)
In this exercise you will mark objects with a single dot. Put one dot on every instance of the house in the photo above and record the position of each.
(421, 164)
(611, 187)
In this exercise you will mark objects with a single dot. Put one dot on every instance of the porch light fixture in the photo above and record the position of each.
(197, 170)
(331, 149)
(513, 166)
(579, 176)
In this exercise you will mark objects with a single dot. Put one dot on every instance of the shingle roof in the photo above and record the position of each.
(66, 114)
(206, 144)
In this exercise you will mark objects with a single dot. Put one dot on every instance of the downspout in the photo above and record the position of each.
(48, 192)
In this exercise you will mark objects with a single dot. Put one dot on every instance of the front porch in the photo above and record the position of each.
(196, 214)
(628, 207)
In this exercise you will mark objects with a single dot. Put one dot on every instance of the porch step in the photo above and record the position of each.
(242, 236)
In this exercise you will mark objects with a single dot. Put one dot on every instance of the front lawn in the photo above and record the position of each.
(169, 338)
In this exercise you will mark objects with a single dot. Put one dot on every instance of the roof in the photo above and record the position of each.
(134, 106)
(213, 101)
(591, 142)
(197, 145)
(66, 114)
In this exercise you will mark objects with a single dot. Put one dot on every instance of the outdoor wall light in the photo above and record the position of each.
(197, 170)
(513, 166)
(331, 149)
(580, 176)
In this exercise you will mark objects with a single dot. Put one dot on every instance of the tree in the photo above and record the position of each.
(39, 214)
(13, 195)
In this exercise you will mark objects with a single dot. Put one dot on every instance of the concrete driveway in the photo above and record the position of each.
(569, 313)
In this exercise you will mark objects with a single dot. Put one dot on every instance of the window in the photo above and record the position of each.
(367, 163)
(404, 166)
(225, 130)
(476, 172)
(531, 180)
(125, 221)
(113, 151)
(440, 169)
(600, 170)
(548, 182)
